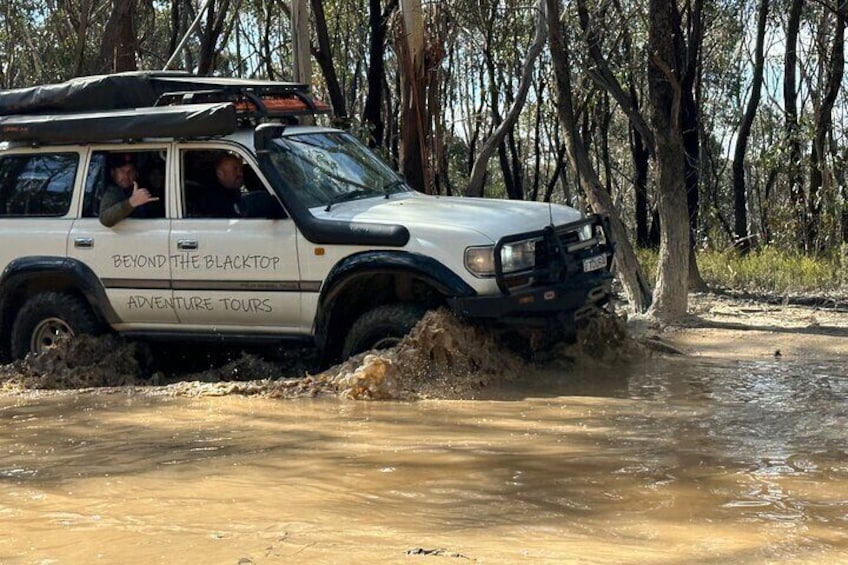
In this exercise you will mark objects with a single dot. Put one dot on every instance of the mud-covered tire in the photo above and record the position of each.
(381, 327)
(48, 316)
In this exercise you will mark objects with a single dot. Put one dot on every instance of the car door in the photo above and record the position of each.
(131, 257)
(233, 274)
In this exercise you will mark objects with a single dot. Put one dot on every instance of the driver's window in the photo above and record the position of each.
(219, 184)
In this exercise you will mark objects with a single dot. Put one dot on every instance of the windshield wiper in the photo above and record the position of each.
(389, 188)
(352, 195)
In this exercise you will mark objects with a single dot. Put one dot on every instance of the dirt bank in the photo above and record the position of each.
(732, 327)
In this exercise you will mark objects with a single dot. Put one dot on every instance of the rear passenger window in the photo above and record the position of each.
(149, 173)
(37, 185)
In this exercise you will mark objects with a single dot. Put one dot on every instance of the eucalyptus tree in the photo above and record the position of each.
(119, 46)
(48, 42)
(323, 53)
(379, 15)
(475, 183)
(629, 270)
(617, 67)
(744, 130)
(794, 166)
(665, 65)
(719, 94)
(831, 71)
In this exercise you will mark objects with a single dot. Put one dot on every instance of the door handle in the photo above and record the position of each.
(84, 242)
(187, 244)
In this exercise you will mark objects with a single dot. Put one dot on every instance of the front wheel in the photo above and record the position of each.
(381, 327)
(49, 318)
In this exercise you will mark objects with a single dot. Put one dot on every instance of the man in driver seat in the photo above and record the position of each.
(223, 199)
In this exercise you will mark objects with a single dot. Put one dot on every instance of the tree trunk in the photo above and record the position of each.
(265, 41)
(842, 181)
(603, 117)
(376, 75)
(740, 198)
(690, 125)
(603, 76)
(670, 300)
(435, 91)
(324, 56)
(475, 138)
(790, 106)
(413, 111)
(765, 206)
(629, 271)
(820, 177)
(177, 18)
(558, 171)
(537, 143)
(82, 36)
(211, 33)
(302, 63)
(118, 48)
(640, 155)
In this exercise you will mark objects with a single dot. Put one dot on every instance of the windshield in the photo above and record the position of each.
(326, 168)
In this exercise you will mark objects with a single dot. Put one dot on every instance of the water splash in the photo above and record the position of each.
(441, 358)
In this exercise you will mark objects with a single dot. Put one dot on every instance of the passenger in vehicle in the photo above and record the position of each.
(223, 199)
(123, 197)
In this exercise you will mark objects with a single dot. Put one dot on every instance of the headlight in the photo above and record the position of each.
(518, 256)
(480, 260)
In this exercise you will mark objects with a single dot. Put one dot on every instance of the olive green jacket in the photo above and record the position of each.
(114, 205)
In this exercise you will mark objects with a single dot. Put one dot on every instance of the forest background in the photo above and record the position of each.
(709, 130)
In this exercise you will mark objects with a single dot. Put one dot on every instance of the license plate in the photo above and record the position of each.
(594, 263)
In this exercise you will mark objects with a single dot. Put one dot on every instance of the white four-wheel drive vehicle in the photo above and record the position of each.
(327, 244)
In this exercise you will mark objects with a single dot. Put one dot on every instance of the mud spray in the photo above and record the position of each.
(441, 358)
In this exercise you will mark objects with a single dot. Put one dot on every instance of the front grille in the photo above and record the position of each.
(549, 251)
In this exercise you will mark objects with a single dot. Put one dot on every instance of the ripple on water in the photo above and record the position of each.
(661, 460)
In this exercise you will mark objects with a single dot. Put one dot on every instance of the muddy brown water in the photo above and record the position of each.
(652, 461)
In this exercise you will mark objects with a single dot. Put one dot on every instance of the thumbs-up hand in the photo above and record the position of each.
(141, 196)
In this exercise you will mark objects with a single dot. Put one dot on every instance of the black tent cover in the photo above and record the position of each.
(119, 106)
(135, 89)
(193, 120)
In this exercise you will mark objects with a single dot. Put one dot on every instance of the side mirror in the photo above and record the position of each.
(264, 134)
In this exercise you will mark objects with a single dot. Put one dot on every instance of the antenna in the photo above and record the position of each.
(550, 213)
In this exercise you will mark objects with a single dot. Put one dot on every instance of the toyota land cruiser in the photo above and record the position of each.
(329, 245)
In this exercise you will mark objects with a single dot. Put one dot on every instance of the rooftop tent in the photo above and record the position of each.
(102, 92)
(139, 104)
(134, 89)
(195, 120)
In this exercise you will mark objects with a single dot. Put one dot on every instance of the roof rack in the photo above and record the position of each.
(271, 100)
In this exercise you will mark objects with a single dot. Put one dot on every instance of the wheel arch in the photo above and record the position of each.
(27, 276)
(365, 280)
